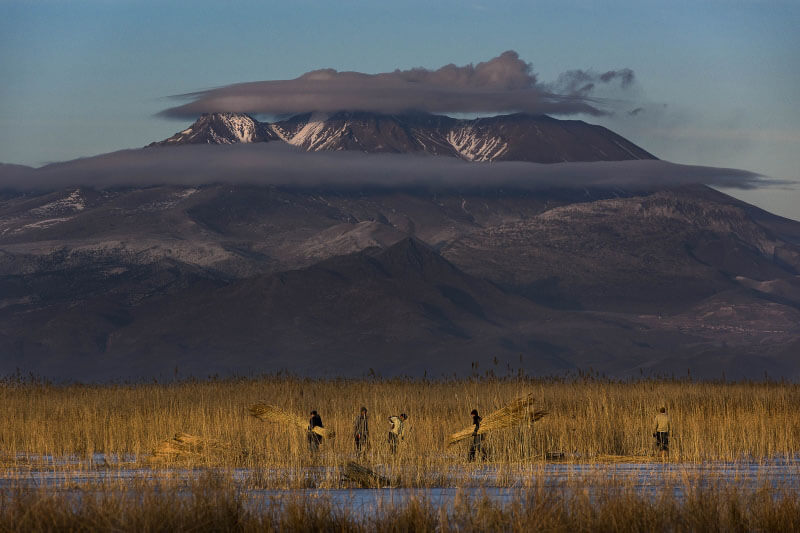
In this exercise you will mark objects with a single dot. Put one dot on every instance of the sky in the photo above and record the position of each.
(715, 82)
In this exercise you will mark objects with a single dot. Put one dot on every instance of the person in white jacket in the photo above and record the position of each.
(396, 431)
(663, 425)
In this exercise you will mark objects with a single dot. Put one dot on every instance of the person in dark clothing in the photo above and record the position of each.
(361, 431)
(476, 447)
(314, 439)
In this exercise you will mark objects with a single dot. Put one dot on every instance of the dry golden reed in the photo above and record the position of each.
(589, 420)
(183, 447)
(363, 476)
(214, 504)
(274, 414)
(519, 411)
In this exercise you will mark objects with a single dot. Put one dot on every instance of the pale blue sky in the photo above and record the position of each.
(718, 79)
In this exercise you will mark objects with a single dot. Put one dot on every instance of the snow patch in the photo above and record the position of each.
(634, 156)
(475, 147)
(312, 135)
(186, 193)
(280, 132)
(243, 128)
(70, 203)
(42, 224)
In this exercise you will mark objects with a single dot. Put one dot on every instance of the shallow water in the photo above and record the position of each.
(500, 483)
(648, 479)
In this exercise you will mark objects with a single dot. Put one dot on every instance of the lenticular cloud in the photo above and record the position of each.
(503, 84)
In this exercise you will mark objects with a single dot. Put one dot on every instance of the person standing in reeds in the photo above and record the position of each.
(361, 431)
(476, 446)
(396, 431)
(314, 439)
(663, 425)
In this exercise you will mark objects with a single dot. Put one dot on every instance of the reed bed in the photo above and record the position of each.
(185, 447)
(517, 412)
(589, 419)
(276, 415)
(213, 503)
(363, 476)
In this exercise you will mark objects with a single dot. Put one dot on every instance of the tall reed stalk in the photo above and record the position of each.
(588, 419)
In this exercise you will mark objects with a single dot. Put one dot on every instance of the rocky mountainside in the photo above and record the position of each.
(653, 253)
(518, 137)
(134, 282)
(142, 282)
(222, 128)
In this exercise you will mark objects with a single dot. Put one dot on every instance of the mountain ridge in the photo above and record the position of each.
(234, 278)
(513, 137)
(115, 283)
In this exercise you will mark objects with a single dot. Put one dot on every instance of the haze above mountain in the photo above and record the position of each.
(516, 242)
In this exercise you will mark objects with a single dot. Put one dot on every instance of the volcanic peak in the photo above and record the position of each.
(515, 137)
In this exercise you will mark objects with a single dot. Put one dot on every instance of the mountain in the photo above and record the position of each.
(517, 137)
(650, 253)
(232, 279)
(222, 128)
(137, 282)
(402, 309)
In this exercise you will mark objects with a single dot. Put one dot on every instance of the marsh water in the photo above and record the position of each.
(498, 483)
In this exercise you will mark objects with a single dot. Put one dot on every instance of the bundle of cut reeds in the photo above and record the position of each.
(625, 458)
(184, 446)
(365, 477)
(520, 410)
(273, 413)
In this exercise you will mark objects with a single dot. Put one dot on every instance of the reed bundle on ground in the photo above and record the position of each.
(520, 410)
(605, 458)
(364, 477)
(184, 447)
(274, 414)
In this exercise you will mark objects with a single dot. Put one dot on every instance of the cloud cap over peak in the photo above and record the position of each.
(505, 83)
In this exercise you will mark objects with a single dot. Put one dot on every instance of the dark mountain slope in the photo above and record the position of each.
(540, 139)
(517, 137)
(401, 310)
(658, 253)
(383, 309)
(229, 279)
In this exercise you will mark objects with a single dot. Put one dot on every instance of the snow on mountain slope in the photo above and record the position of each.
(473, 146)
(517, 137)
(315, 134)
(221, 128)
(66, 204)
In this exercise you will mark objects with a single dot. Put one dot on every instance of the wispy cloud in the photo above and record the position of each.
(503, 84)
(727, 134)
(282, 165)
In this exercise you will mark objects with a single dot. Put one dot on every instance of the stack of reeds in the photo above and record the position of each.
(625, 458)
(273, 413)
(183, 447)
(520, 410)
(364, 477)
